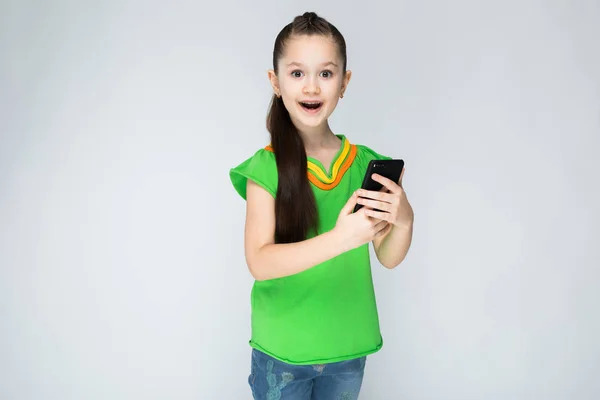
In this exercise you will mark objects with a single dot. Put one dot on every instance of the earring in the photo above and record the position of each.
(342, 96)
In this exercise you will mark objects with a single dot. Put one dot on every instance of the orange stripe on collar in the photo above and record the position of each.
(314, 179)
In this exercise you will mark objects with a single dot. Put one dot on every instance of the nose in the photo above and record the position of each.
(312, 86)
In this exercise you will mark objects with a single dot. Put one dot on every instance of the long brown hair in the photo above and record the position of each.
(295, 207)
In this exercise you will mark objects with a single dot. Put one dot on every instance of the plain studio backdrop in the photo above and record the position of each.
(122, 274)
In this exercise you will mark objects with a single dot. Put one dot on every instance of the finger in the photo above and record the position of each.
(382, 196)
(384, 216)
(380, 205)
(349, 206)
(384, 231)
(387, 183)
(401, 176)
(380, 225)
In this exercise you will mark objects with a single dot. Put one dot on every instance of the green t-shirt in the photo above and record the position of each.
(326, 313)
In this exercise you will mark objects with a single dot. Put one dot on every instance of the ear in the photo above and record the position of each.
(274, 81)
(346, 81)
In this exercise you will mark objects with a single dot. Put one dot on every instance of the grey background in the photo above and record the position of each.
(121, 256)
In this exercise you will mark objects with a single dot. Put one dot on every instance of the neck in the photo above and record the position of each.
(317, 137)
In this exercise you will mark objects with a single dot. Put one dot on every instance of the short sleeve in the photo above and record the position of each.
(260, 168)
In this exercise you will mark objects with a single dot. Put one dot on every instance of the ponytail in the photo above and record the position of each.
(295, 206)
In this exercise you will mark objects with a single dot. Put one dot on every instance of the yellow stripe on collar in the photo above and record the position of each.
(320, 174)
(319, 178)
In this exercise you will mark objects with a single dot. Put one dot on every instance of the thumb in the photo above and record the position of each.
(349, 206)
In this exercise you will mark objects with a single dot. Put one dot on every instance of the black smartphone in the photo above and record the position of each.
(391, 169)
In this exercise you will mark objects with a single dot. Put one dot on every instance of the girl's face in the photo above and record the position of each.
(310, 79)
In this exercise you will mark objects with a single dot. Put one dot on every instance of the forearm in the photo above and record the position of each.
(278, 260)
(394, 247)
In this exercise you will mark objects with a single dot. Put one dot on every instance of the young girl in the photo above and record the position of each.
(314, 315)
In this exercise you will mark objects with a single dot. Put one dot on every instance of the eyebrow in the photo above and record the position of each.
(301, 65)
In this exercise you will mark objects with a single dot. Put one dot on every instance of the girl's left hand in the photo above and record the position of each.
(393, 203)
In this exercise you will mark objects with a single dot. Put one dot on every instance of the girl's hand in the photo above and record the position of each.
(356, 229)
(392, 202)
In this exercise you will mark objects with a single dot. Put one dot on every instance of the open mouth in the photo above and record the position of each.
(311, 106)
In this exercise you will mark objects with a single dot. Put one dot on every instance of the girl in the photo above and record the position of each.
(314, 315)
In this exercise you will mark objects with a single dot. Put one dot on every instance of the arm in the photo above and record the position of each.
(391, 249)
(267, 260)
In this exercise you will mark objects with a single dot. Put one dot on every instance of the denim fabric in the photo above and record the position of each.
(271, 379)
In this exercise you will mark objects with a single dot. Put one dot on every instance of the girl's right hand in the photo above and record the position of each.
(356, 229)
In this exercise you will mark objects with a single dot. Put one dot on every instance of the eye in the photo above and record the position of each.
(328, 74)
(296, 73)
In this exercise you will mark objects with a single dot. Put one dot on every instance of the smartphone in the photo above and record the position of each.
(391, 169)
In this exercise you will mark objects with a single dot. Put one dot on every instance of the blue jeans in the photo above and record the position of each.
(271, 379)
